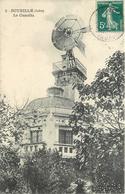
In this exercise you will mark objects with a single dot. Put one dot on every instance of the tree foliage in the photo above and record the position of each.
(46, 172)
(11, 130)
(11, 123)
(10, 171)
(98, 122)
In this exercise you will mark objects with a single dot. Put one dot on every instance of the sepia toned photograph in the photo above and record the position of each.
(62, 97)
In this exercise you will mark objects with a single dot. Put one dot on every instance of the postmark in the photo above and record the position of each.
(110, 16)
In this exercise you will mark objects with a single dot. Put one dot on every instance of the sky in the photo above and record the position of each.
(27, 52)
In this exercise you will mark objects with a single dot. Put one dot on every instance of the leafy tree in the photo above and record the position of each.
(11, 123)
(46, 172)
(11, 130)
(10, 171)
(97, 122)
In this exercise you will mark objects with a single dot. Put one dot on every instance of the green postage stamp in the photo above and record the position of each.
(110, 16)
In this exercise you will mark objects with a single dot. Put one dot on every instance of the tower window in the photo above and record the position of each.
(65, 149)
(36, 147)
(26, 148)
(65, 137)
(39, 136)
(36, 136)
(60, 149)
(70, 150)
(31, 147)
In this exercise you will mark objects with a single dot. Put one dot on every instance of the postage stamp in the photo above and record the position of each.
(110, 16)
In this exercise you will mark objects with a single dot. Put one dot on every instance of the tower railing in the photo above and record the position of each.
(59, 66)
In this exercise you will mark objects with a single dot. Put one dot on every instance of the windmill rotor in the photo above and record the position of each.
(68, 33)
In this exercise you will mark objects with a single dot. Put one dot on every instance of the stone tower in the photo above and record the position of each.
(68, 73)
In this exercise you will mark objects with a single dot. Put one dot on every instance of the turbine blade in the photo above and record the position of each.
(85, 29)
(81, 46)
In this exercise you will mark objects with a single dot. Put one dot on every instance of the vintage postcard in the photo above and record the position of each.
(62, 97)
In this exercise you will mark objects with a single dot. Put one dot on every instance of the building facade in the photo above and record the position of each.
(47, 119)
